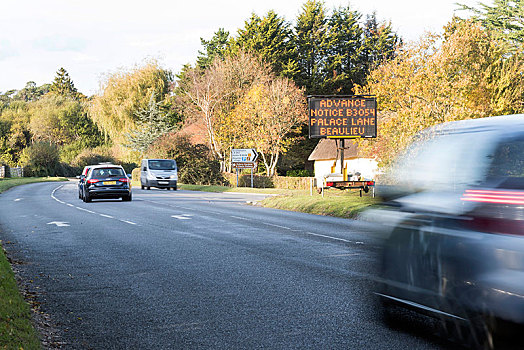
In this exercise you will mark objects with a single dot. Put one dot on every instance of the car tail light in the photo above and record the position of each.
(124, 180)
(92, 181)
(495, 197)
(497, 215)
(329, 184)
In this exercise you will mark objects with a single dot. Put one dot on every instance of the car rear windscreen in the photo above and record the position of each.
(107, 172)
(507, 164)
(162, 164)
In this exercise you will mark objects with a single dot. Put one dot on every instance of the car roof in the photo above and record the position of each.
(507, 124)
(104, 166)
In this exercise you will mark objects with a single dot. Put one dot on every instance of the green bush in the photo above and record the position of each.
(93, 156)
(298, 173)
(41, 159)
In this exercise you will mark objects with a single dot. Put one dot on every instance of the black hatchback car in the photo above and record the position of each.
(107, 181)
(453, 229)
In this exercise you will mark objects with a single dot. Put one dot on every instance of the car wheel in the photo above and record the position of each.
(127, 198)
(87, 198)
(142, 187)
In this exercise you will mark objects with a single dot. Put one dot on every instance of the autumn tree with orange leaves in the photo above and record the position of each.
(463, 74)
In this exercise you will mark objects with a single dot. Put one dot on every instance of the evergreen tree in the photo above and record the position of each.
(344, 66)
(31, 92)
(379, 43)
(505, 18)
(218, 46)
(151, 123)
(269, 38)
(63, 85)
(311, 44)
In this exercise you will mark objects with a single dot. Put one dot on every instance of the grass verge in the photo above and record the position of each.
(16, 327)
(213, 188)
(335, 203)
(344, 204)
(6, 184)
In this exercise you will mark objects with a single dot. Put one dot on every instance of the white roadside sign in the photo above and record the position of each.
(244, 155)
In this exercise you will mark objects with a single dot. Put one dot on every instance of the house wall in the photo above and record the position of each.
(367, 167)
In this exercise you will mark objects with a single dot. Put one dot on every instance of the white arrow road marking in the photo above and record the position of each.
(182, 217)
(58, 223)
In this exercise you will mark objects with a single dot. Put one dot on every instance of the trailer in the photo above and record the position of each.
(343, 182)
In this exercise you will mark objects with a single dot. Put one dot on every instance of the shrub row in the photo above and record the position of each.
(262, 181)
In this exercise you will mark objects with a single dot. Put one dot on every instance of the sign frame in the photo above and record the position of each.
(338, 119)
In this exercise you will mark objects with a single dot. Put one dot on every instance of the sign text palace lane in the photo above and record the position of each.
(342, 117)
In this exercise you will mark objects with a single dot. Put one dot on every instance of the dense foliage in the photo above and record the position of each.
(196, 165)
(464, 73)
(247, 89)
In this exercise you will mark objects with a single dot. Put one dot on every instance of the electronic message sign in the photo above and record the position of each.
(342, 116)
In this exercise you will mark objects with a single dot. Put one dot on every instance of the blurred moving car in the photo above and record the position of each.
(453, 228)
(107, 181)
(160, 173)
(81, 181)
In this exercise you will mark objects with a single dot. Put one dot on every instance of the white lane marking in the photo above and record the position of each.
(330, 237)
(86, 210)
(284, 227)
(300, 231)
(238, 217)
(129, 222)
(182, 216)
(58, 223)
(18, 199)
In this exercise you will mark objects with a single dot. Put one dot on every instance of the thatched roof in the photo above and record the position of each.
(327, 150)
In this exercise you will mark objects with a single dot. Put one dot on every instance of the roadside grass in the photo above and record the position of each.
(213, 188)
(7, 183)
(344, 204)
(16, 327)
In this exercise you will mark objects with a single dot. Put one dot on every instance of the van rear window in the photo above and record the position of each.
(162, 164)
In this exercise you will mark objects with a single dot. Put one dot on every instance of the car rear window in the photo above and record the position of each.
(507, 164)
(443, 162)
(107, 172)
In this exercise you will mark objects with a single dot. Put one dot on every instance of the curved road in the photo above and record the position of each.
(196, 270)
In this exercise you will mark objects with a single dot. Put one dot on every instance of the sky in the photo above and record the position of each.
(93, 39)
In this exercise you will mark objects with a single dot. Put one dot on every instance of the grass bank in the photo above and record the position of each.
(214, 188)
(344, 204)
(16, 327)
(6, 184)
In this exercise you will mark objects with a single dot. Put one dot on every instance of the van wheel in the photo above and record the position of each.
(148, 188)
(142, 187)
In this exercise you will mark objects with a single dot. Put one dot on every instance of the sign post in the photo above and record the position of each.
(244, 158)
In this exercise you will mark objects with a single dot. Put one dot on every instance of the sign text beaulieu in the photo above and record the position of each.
(342, 117)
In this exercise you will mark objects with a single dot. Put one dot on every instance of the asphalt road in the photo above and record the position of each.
(196, 270)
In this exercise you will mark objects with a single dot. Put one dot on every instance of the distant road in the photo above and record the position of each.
(196, 270)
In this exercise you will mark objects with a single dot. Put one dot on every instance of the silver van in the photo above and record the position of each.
(160, 173)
